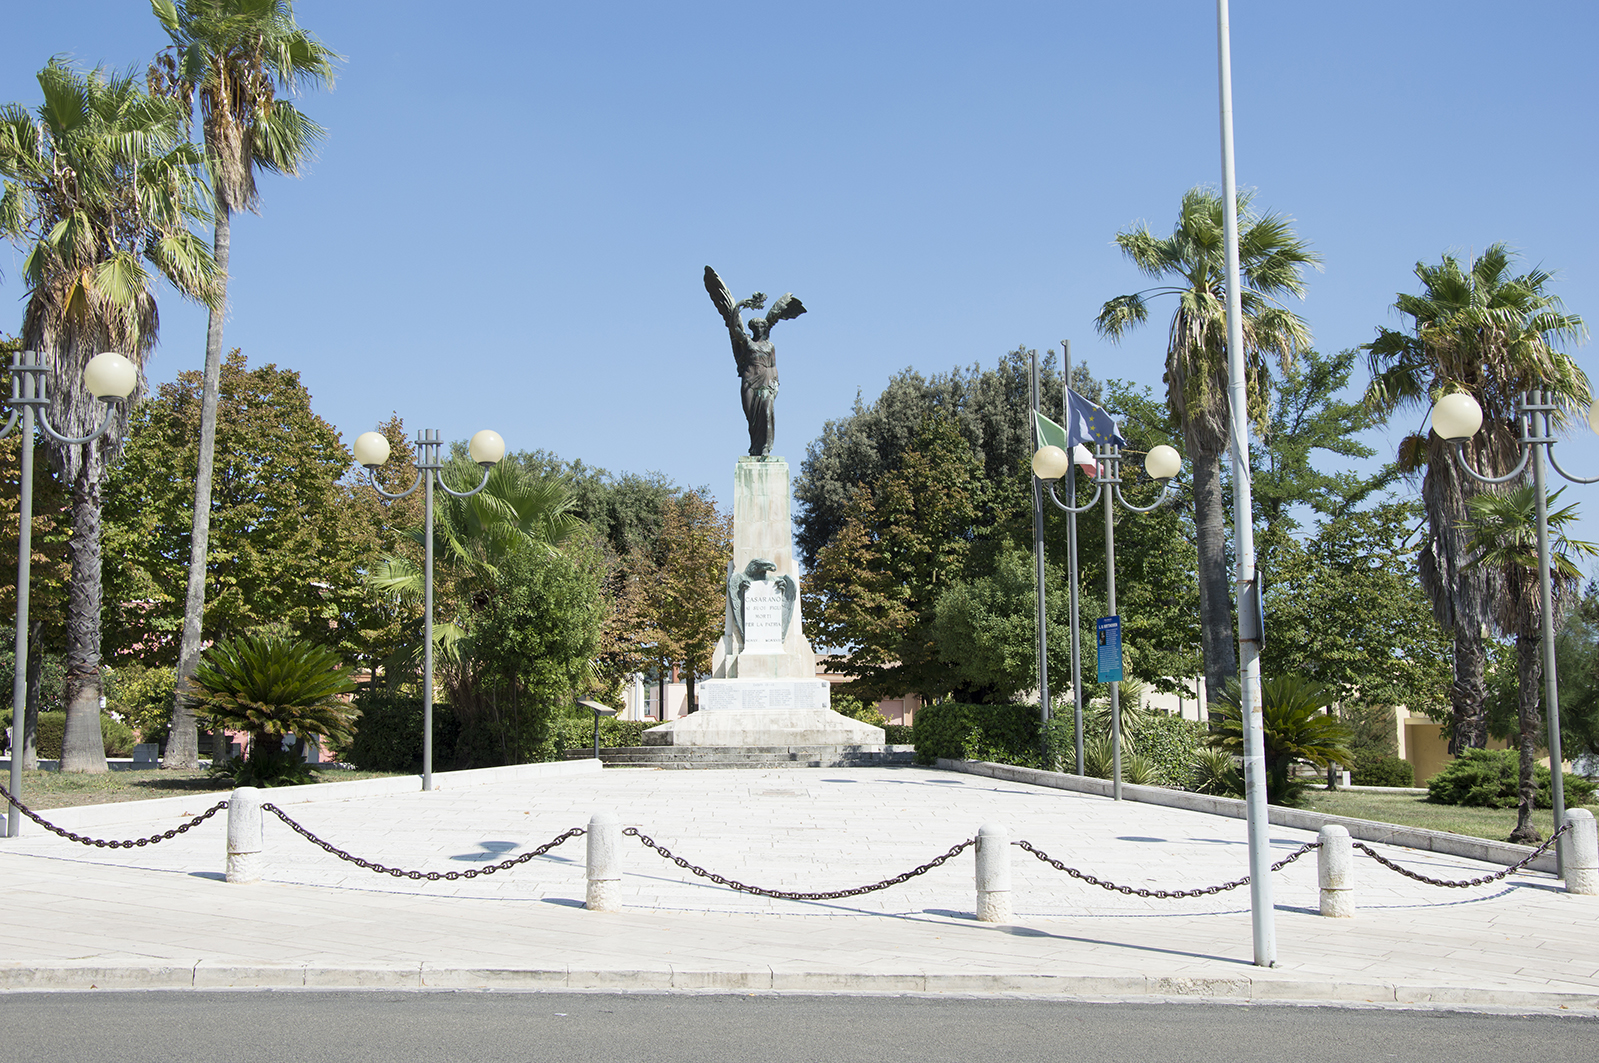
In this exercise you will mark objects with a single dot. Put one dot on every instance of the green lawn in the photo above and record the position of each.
(54, 789)
(1413, 810)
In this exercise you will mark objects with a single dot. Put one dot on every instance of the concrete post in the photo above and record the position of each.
(1335, 868)
(1582, 853)
(604, 863)
(993, 874)
(245, 860)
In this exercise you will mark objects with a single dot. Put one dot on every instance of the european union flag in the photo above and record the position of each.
(1087, 423)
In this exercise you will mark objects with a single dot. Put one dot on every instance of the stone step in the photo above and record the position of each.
(749, 756)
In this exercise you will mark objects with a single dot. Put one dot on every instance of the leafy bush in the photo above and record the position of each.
(574, 729)
(898, 734)
(278, 767)
(388, 734)
(143, 697)
(856, 709)
(1213, 772)
(119, 737)
(1489, 778)
(1004, 733)
(1382, 771)
(1169, 744)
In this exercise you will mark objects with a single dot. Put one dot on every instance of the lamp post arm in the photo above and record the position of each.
(1064, 508)
(464, 494)
(44, 423)
(372, 475)
(1552, 461)
(1521, 466)
(1167, 493)
(11, 423)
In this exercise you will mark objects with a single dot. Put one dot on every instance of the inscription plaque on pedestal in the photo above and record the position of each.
(763, 618)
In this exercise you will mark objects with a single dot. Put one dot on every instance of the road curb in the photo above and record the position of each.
(205, 975)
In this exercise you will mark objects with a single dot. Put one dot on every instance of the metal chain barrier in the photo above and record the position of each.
(100, 843)
(1130, 891)
(431, 876)
(828, 895)
(1461, 884)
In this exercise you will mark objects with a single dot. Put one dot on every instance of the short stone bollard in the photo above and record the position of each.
(1335, 870)
(604, 863)
(993, 874)
(1582, 853)
(245, 859)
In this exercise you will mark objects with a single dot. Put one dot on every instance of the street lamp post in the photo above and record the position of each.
(372, 450)
(111, 378)
(1162, 463)
(1456, 418)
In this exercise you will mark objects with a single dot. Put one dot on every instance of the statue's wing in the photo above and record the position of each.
(784, 309)
(736, 582)
(723, 299)
(790, 591)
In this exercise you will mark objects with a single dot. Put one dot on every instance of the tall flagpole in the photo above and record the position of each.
(1071, 568)
(1038, 566)
(1262, 915)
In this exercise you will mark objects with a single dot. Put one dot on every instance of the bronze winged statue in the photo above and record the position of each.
(754, 356)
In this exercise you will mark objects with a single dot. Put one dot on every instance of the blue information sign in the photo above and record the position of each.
(1108, 648)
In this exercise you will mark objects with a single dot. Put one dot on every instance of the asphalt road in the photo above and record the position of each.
(464, 1027)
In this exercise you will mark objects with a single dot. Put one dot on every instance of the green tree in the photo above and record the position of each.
(288, 549)
(1271, 259)
(1504, 536)
(231, 58)
(686, 602)
(1346, 611)
(1479, 328)
(874, 590)
(100, 189)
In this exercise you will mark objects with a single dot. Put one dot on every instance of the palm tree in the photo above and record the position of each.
(100, 184)
(1271, 258)
(1503, 535)
(1478, 328)
(232, 57)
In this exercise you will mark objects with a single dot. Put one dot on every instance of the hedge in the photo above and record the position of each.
(119, 737)
(1006, 734)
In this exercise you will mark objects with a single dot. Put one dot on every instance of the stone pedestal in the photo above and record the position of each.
(765, 691)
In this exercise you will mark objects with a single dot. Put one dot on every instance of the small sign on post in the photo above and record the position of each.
(1108, 648)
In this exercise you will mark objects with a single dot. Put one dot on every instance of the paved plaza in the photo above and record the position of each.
(161, 915)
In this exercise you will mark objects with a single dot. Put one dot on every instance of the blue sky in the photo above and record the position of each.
(508, 221)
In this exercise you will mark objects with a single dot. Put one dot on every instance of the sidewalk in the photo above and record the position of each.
(79, 917)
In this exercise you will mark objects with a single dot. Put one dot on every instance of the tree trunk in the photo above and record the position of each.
(1215, 599)
(1529, 673)
(29, 743)
(1468, 694)
(83, 746)
(182, 740)
(688, 679)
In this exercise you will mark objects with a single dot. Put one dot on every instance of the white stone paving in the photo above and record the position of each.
(801, 829)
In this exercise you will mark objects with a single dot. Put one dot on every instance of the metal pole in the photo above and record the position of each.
(1262, 915)
(1112, 459)
(19, 682)
(1071, 575)
(1551, 684)
(430, 454)
(1038, 565)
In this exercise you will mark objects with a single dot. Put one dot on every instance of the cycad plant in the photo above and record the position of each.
(271, 686)
(1297, 726)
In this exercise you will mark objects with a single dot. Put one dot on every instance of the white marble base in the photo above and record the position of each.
(764, 712)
